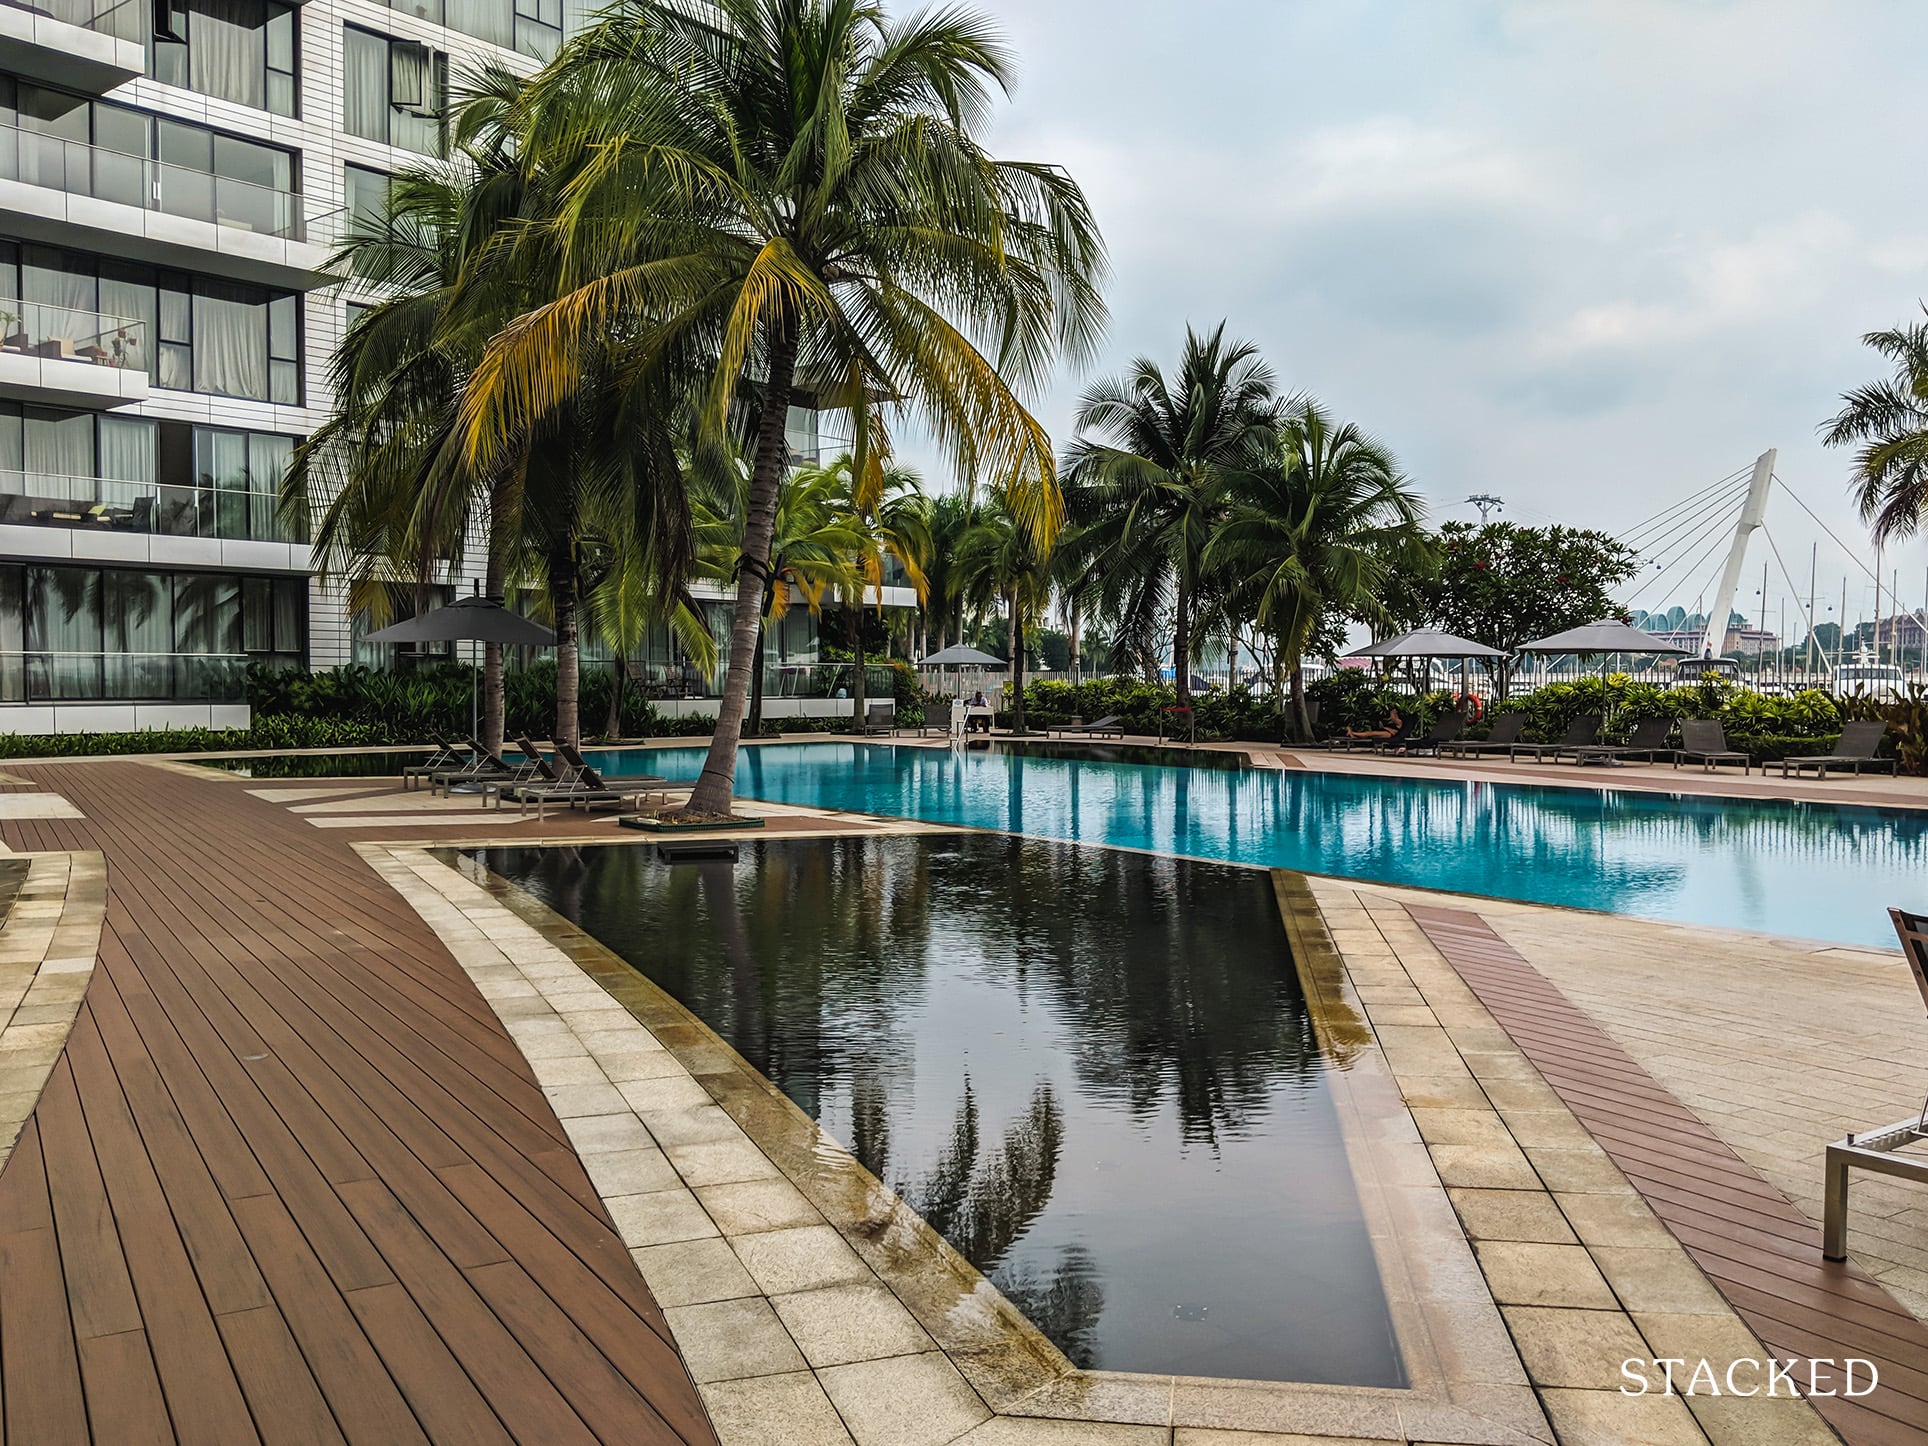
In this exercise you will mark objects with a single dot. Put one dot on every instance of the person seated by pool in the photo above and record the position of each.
(1394, 722)
(976, 721)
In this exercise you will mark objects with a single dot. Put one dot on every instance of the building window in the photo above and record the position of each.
(533, 27)
(393, 91)
(229, 338)
(401, 606)
(239, 50)
(241, 474)
(80, 633)
(107, 151)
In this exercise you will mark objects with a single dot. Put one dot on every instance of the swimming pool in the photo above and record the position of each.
(1094, 1072)
(1807, 870)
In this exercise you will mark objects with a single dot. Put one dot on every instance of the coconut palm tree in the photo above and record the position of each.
(1000, 562)
(952, 517)
(1323, 526)
(816, 547)
(793, 193)
(1889, 418)
(1146, 479)
(895, 523)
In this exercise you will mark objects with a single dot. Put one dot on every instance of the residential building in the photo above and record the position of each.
(173, 177)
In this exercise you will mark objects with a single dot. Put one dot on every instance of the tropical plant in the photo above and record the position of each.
(793, 192)
(1319, 530)
(893, 520)
(816, 546)
(1000, 561)
(951, 517)
(1889, 419)
(1146, 481)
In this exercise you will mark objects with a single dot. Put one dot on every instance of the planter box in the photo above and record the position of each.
(657, 825)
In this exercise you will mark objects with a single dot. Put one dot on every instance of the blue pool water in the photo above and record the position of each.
(1809, 870)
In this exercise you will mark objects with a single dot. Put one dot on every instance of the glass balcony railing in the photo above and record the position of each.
(121, 20)
(65, 333)
(79, 169)
(107, 504)
(56, 677)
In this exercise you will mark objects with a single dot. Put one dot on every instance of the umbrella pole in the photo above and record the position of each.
(475, 692)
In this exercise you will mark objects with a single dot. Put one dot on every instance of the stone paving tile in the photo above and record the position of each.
(1527, 1215)
(744, 1207)
(843, 1323)
(804, 1257)
(1524, 1273)
(662, 1217)
(729, 1339)
(917, 1400)
(693, 1272)
(1606, 1418)
(1583, 1349)
(774, 1411)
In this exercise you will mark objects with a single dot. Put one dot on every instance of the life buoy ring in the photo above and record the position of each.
(1469, 705)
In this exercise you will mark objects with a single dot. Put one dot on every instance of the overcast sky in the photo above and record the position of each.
(1589, 257)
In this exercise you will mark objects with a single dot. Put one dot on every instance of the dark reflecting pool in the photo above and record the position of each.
(1092, 1071)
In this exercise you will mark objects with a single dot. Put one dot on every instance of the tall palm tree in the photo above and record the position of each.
(1146, 479)
(1321, 528)
(894, 519)
(952, 517)
(786, 190)
(1889, 418)
(816, 547)
(1001, 562)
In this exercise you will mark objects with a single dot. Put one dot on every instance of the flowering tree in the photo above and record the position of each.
(1502, 584)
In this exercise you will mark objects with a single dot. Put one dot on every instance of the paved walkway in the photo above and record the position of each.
(290, 1178)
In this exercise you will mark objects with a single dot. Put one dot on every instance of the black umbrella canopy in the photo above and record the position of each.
(1426, 643)
(467, 620)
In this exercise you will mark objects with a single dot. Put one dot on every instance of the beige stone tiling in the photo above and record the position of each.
(48, 945)
(812, 1305)
(1584, 1273)
(37, 805)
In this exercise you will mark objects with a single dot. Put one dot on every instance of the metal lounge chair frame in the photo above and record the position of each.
(1649, 738)
(1712, 750)
(446, 756)
(1108, 726)
(482, 767)
(1509, 724)
(880, 721)
(1441, 733)
(1580, 729)
(584, 786)
(1867, 734)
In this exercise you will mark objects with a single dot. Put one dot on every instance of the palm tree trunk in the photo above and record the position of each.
(495, 578)
(1076, 661)
(1298, 702)
(1231, 660)
(1182, 645)
(562, 592)
(613, 725)
(857, 652)
(753, 723)
(716, 786)
(1017, 669)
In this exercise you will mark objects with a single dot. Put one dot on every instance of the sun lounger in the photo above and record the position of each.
(1347, 742)
(1580, 732)
(1500, 738)
(484, 766)
(1108, 726)
(880, 721)
(582, 786)
(1649, 738)
(1860, 742)
(937, 717)
(447, 756)
(1440, 734)
(1703, 741)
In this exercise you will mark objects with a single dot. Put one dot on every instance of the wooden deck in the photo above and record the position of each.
(1762, 1253)
(291, 1180)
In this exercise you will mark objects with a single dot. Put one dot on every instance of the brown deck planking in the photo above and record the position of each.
(303, 1186)
(1759, 1251)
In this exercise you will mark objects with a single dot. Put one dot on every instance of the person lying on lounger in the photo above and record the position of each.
(1394, 722)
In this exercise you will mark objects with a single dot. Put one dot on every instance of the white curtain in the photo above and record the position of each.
(227, 50)
(364, 84)
(59, 444)
(230, 340)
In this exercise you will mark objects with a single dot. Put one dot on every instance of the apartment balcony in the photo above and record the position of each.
(64, 357)
(86, 45)
(103, 519)
(68, 193)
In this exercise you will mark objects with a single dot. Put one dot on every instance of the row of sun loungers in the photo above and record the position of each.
(1702, 741)
(533, 779)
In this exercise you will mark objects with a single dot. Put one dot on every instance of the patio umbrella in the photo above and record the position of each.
(468, 620)
(1606, 637)
(1429, 643)
(961, 656)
